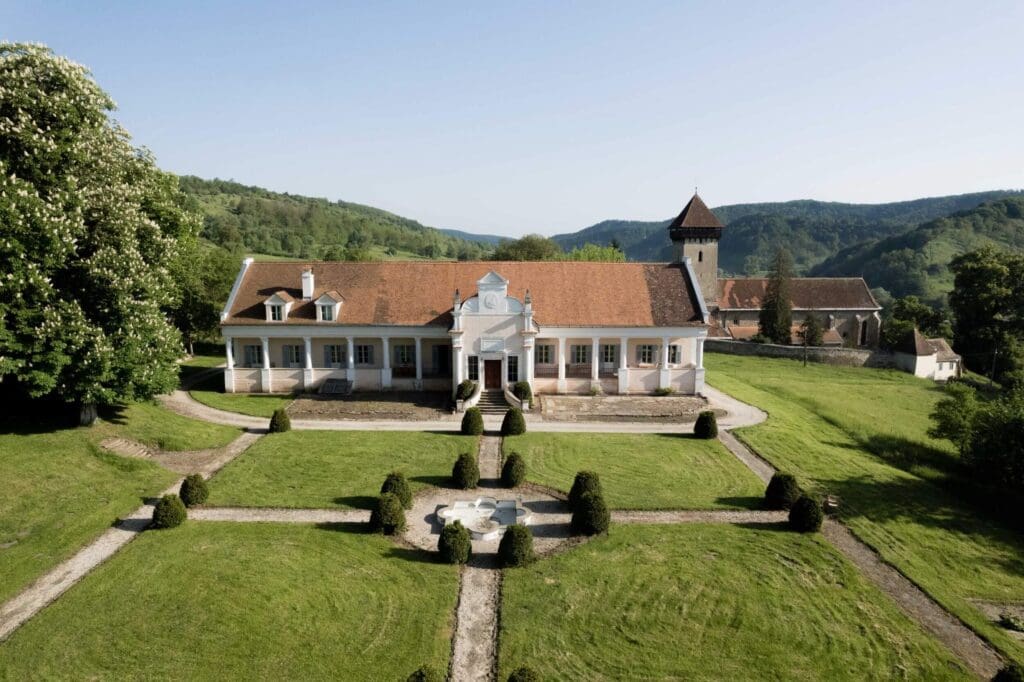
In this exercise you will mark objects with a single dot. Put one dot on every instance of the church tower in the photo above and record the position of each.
(695, 233)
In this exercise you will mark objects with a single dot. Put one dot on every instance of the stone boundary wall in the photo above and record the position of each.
(848, 357)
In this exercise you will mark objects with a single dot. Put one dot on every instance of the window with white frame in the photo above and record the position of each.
(474, 368)
(674, 354)
(646, 354)
(364, 354)
(513, 368)
(405, 355)
(276, 313)
(292, 355)
(253, 356)
(334, 354)
(609, 354)
(326, 313)
(545, 355)
(580, 355)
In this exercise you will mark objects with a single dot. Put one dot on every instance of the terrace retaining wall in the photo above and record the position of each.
(848, 357)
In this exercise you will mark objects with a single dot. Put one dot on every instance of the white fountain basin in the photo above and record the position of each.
(486, 518)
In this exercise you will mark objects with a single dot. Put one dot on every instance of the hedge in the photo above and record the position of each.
(465, 390)
(706, 426)
(591, 515)
(523, 391)
(388, 517)
(473, 422)
(513, 473)
(455, 544)
(1011, 672)
(193, 490)
(466, 472)
(426, 673)
(514, 424)
(782, 491)
(806, 516)
(396, 484)
(524, 674)
(280, 422)
(516, 547)
(585, 482)
(169, 512)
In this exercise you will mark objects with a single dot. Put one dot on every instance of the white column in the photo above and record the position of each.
(229, 348)
(229, 373)
(700, 353)
(385, 373)
(307, 374)
(350, 360)
(419, 363)
(457, 364)
(529, 365)
(623, 365)
(664, 376)
(595, 361)
(265, 382)
(698, 373)
(561, 366)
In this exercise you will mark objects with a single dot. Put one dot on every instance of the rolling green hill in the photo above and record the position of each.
(253, 219)
(812, 230)
(916, 262)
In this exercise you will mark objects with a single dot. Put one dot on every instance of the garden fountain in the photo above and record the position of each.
(486, 518)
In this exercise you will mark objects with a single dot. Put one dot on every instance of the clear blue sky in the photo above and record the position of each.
(547, 117)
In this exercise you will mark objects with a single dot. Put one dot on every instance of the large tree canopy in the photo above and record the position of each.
(90, 231)
(775, 320)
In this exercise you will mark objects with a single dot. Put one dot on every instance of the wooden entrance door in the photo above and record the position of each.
(492, 373)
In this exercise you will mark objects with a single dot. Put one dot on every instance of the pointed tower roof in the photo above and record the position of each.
(696, 215)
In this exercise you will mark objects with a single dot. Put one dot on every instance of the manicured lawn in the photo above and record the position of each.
(153, 425)
(708, 602)
(642, 471)
(223, 601)
(211, 392)
(320, 469)
(60, 490)
(206, 360)
(860, 433)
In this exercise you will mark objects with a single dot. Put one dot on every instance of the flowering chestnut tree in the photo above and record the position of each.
(90, 230)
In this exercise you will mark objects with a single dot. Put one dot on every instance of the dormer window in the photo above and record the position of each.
(328, 306)
(276, 313)
(278, 306)
(326, 313)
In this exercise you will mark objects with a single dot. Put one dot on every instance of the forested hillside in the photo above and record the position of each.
(917, 262)
(812, 230)
(253, 219)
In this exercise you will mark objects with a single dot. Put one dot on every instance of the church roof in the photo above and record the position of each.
(564, 294)
(696, 214)
(806, 293)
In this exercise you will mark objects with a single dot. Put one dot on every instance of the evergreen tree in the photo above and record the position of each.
(776, 318)
(89, 235)
(811, 332)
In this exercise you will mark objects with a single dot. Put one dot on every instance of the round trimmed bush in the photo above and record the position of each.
(426, 673)
(585, 482)
(388, 517)
(706, 426)
(193, 490)
(524, 674)
(472, 422)
(805, 516)
(396, 484)
(523, 391)
(280, 422)
(466, 472)
(782, 491)
(514, 424)
(591, 515)
(464, 390)
(516, 546)
(513, 473)
(169, 513)
(1011, 672)
(454, 545)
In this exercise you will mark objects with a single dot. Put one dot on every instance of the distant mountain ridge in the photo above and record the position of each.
(812, 230)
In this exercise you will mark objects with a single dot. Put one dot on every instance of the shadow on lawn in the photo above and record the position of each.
(436, 481)
(419, 556)
(742, 502)
(350, 527)
(357, 501)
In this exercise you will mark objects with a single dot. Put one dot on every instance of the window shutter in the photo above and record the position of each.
(327, 356)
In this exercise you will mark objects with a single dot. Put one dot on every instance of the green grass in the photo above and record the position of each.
(60, 491)
(642, 471)
(320, 469)
(861, 434)
(222, 601)
(718, 602)
(153, 425)
(211, 392)
(199, 360)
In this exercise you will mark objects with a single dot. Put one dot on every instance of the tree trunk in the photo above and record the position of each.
(87, 414)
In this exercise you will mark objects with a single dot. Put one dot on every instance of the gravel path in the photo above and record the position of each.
(185, 462)
(59, 579)
(698, 517)
(267, 515)
(760, 467)
(475, 642)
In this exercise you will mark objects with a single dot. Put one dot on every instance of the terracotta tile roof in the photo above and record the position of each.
(819, 293)
(566, 294)
(918, 345)
(283, 295)
(829, 337)
(942, 350)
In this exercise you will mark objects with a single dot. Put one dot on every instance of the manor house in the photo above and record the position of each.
(563, 327)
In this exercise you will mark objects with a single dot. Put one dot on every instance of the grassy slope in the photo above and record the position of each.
(245, 601)
(642, 471)
(709, 602)
(211, 392)
(320, 469)
(861, 434)
(153, 425)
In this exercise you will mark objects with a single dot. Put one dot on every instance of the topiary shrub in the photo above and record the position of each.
(193, 490)
(1011, 672)
(706, 426)
(782, 491)
(591, 515)
(396, 484)
(466, 472)
(280, 422)
(169, 513)
(388, 517)
(513, 473)
(472, 422)
(514, 424)
(523, 391)
(805, 516)
(664, 391)
(516, 547)
(454, 545)
(585, 482)
(465, 390)
(524, 674)
(426, 673)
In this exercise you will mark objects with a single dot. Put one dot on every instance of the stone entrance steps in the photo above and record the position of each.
(492, 402)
